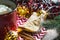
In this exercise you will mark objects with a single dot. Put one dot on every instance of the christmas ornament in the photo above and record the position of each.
(20, 24)
(22, 10)
(43, 13)
(11, 35)
(33, 22)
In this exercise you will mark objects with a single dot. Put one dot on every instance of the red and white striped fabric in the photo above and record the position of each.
(21, 21)
(39, 36)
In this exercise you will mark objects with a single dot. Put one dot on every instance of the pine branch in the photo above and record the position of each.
(50, 24)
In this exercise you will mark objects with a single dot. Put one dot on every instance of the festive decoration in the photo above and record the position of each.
(20, 23)
(22, 10)
(39, 12)
(35, 21)
(25, 19)
(53, 25)
(11, 35)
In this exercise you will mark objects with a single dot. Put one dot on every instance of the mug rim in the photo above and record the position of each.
(13, 5)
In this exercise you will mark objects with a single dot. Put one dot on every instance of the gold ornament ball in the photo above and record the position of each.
(22, 10)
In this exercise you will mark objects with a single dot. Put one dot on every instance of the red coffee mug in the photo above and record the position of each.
(8, 20)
